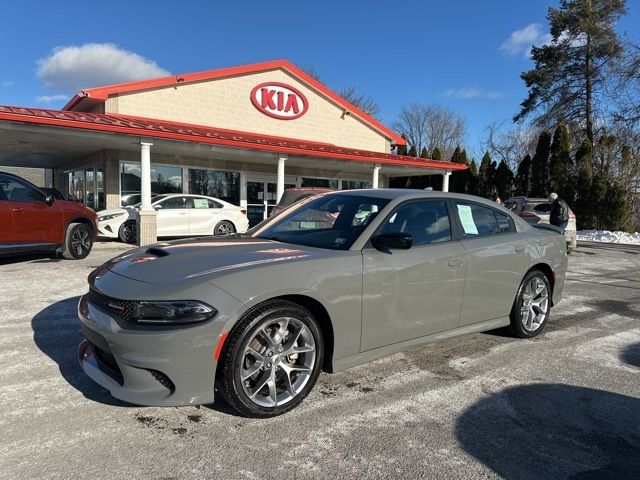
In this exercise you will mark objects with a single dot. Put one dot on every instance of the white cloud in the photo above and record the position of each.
(471, 92)
(521, 41)
(76, 67)
(52, 98)
(6, 83)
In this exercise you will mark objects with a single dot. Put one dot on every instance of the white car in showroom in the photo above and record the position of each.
(179, 215)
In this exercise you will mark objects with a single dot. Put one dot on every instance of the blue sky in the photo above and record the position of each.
(455, 53)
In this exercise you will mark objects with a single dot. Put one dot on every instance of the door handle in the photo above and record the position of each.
(519, 249)
(17, 210)
(455, 263)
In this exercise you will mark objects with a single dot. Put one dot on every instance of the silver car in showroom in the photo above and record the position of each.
(329, 283)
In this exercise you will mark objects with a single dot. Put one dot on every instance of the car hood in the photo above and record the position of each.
(114, 211)
(206, 258)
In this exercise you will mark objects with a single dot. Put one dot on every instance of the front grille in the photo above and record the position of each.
(123, 308)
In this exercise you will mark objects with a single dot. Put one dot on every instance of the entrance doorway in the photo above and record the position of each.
(262, 197)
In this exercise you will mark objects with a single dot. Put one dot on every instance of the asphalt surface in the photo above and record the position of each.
(563, 405)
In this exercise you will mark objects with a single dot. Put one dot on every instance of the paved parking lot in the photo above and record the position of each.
(564, 405)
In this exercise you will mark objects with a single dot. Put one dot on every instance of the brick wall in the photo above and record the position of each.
(225, 103)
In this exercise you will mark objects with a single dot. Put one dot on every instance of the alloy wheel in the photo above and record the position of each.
(535, 304)
(130, 233)
(80, 241)
(224, 229)
(277, 362)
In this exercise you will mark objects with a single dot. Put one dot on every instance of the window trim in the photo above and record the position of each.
(463, 236)
(444, 200)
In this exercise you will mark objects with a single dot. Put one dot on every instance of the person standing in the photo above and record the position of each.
(559, 215)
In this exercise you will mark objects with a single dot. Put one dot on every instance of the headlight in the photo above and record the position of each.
(174, 312)
(104, 218)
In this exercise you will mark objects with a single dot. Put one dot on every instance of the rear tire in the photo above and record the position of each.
(78, 241)
(224, 227)
(532, 305)
(128, 232)
(271, 360)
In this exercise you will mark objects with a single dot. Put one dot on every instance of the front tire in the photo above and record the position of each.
(532, 305)
(128, 232)
(272, 359)
(78, 241)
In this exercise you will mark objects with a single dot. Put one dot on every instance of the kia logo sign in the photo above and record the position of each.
(279, 100)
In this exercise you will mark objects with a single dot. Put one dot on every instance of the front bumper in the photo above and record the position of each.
(109, 228)
(157, 367)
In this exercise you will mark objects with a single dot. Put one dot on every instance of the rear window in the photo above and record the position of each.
(289, 197)
(544, 207)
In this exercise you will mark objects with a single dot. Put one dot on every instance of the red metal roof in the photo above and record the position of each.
(100, 94)
(151, 128)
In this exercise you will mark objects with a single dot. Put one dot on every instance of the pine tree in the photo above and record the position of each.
(424, 153)
(455, 158)
(540, 166)
(560, 167)
(402, 149)
(486, 177)
(523, 177)
(584, 208)
(503, 181)
(436, 155)
(472, 182)
(412, 151)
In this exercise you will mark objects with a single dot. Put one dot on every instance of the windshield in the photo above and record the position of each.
(330, 221)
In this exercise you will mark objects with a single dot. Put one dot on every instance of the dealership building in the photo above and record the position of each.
(242, 134)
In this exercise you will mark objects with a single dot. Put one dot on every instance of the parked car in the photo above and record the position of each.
(293, 195)
(179, 215)
(255, 317)
(33, 220)
(537, 210)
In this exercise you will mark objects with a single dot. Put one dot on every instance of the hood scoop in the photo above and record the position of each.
(157, 252)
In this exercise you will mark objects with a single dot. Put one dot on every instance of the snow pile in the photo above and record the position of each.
(608, 237)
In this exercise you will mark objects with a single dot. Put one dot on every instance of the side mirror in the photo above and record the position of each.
(49, 199)
(388, 241)
(157, 207)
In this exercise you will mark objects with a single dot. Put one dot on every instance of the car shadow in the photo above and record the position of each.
(554, 431)
(56, 332)
(631, 354)
(36, 257)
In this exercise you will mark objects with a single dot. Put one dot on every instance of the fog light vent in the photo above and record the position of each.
(162, 379)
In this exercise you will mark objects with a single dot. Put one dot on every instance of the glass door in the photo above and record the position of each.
(262, 196)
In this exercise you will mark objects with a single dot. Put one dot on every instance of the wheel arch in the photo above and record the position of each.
(85, 221)
(548, 272)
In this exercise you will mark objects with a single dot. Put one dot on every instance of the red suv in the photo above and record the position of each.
(31, 220)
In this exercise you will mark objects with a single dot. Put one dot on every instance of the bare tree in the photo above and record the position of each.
(364, 102)
(510, 145)
(431, 126)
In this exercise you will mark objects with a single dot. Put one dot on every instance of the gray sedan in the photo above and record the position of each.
(334, 281)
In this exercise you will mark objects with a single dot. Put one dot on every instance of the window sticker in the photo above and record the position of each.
(466, 218)
(200, 203)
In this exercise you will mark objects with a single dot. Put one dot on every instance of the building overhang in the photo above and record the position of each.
(105, 131)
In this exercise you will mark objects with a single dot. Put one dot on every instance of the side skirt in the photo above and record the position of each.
(363, 357)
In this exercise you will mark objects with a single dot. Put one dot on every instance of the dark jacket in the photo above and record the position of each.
(559, 215)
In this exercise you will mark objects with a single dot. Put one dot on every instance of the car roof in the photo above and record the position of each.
(408, 193)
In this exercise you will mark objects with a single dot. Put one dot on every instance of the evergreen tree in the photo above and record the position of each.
(486, 177)
(436, 155)
(412, 151)
(615, 213)
(458, 181)
(402, 149)
(424, 153)
(584, 209)
(503, 181)
(523, 177)
(472, 182)
(576, 65)
(560, 168)
(540, 166)
(456, 157)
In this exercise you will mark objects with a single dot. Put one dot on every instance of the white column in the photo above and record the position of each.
(445, 181)
(145, 175)
(376, 176)
(280, 183)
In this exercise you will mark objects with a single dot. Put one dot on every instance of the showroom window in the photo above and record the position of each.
(354, 184)
(218, 184)
(163, 179)
(320, 183)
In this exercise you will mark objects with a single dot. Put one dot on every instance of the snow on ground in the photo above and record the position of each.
(609, 237)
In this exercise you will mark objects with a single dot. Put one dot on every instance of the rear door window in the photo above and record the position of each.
(505, 224)
(476, 221)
